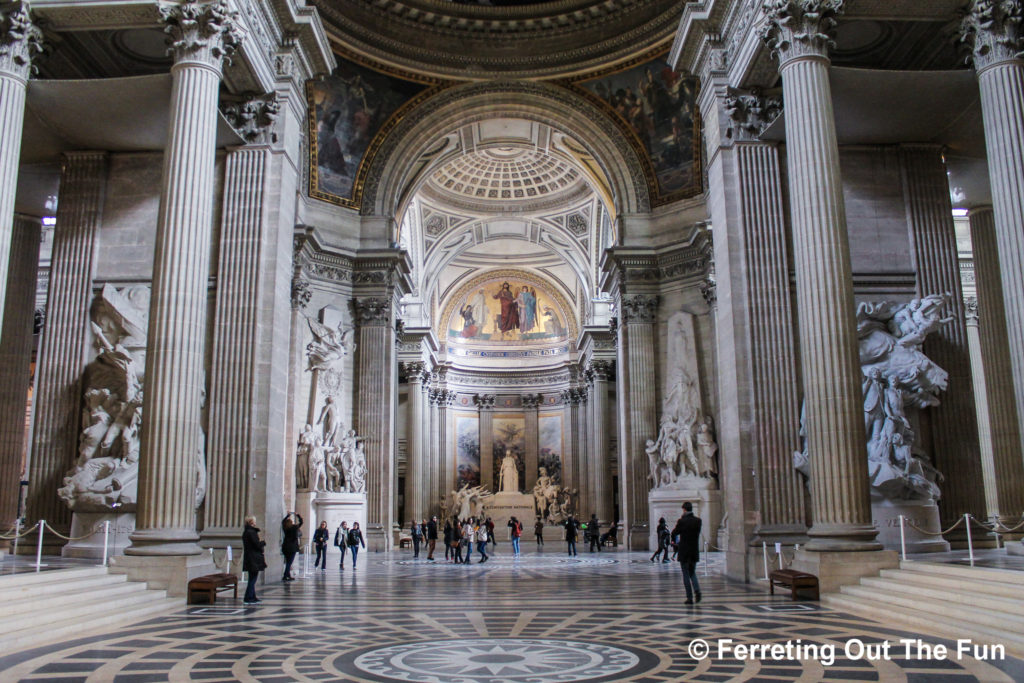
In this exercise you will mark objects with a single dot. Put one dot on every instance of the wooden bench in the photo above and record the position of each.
(208, 586)
(794, 580)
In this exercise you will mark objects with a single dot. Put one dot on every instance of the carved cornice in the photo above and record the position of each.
(640, 308)
(203, 32)
(750, 113)
(991, 32)
(20, 40)
(800, 28)
(372, 311)
(253, 117)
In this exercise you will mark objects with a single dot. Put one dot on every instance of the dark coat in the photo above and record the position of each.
(252, 550)
(416, 530)
(431, 530)
(290, 535)
(687, 530)
(355, 538)
(571, 529)
(320, 537)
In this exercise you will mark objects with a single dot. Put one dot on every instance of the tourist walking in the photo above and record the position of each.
(517, 533)
(449, 550)
(663, 536)
(490, 532)
(355, 540)
(341, 542)
(688, 531)
(571, 534)
(416, 531)
(594, 533)
(482, 538)
(253, 561)
(468, 538)
(456, 541)
(431, 538)
(320, 537)
(290, 531)
(538, 531)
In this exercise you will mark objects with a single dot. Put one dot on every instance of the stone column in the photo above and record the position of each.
(202, 36)
(797, 31)
(570, 460)
(638, 386)
(531, 404)
(485, 404)
(65, 341)
(586, 500)
(953, 423)
(1007, 465)
(20, 41)
(414, 507)
(16, 359)
(992, 30)
(376, 378)
(600, 372)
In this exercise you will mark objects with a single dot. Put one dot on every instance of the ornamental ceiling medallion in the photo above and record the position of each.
(507, 308)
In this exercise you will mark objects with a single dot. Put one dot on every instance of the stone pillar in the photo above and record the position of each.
(571, 460)
(600, 372)
(1000, 418)
(20, 41)
(586, 500)
(414, 507)
(15, 360)
(202, 36)
(376, 378)
(637, 383)
(65, 341)
(485, 404)
(797, 32)
(993, 31)
(531, 404)
(431, 476)
(953, 423)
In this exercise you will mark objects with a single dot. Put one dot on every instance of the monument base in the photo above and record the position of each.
(668, 503)
(335, 508)
(505, 506)
(122, 524)
(168, 572)
(835, 569)
(922, 514)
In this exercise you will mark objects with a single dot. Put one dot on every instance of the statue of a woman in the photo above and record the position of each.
(508, 479)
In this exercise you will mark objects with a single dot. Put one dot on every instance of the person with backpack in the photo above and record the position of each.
(355, 539)
(341, 542)
(517, 532)
(320, 537)
(571, 534)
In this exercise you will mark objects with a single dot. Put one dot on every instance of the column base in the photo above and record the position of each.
(920, 514)
(378, 539)
(170, 573)
(91, 547)
(639, 537)
(786, 534)
(842, 538)
(835, 569)
(163, 542)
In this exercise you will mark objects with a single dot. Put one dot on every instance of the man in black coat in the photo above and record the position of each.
(431, 537)
(687, 530)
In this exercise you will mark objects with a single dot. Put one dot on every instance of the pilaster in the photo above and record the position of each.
(485, 406)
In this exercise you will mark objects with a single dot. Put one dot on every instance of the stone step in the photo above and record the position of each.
(105, 620)
(1002, 619)
(74, 585)
(979, 586)
(989, 574)
(57, 575)
(107, 590)
(1009, 602)
(53, 610)
(920, 622)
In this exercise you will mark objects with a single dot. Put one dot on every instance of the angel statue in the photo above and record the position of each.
(328, 346)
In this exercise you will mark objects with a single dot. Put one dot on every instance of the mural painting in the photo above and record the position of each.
(510, 436)
(549, 429)
(467, 450)
(507, 310)
(659, 104)
(347, 109)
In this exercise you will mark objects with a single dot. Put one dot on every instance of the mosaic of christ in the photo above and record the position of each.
(507, 310)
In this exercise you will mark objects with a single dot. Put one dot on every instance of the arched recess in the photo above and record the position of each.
(424, 139)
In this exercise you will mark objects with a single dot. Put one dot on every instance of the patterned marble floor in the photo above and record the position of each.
(543, 618)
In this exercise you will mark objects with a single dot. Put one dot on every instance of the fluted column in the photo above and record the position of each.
(16, 359)
(600, 371)
(414, 508)
(570, 460)
(953, 423)
(20, 41)
(65, 341)
(432, 476)
(531, 404)
(1007, 463)
(485, 404)
(202, 35)
(993, 31)
(797, 31)
(586, 504)
(374, 418)
(639, 387)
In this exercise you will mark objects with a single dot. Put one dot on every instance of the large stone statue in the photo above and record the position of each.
(508, 478)
(553, 502)
(353, 462)
(328, 347)
(307, 439)
(329, 419)
(467, 502)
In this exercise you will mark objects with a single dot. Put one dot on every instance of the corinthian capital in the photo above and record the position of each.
(751, 113)
(799, 28)
(640, 308)
(371, 311)
(991, 30)
(205, 32)
(253, 118)
(20, 40)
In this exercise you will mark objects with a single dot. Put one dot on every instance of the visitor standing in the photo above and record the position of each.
(538, 531)
(594, 533)
(253, 561)
(490, 532)
(431, 537)
(571, 534)
(290, 530)
(416, 531)
(482, 538)
(341, 542)
(663, 537)
(449, 550)
(355, 539)
(456, 541)
(688, 531)
(320, 537)
(516, 532)
(468, 538)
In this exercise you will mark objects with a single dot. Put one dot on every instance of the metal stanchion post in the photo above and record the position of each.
(970, 543)
(705, 558)
(903, 540)
(17, 533)
(39, 545)
(305, 563)
(764, 557)
(227, 564)
(106, 540)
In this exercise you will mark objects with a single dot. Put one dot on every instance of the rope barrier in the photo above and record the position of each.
(934, 533)
(21, 535)
(995, 527)
(70, 538)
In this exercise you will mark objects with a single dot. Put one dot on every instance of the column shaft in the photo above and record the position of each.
(432, 478)
(15, 361)
(64, 344)
(487, 446)
(636, 339)
(414, 507)
(599, 449)
(532, 459)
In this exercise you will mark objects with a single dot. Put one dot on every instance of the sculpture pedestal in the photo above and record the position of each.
(334, 508)
(122, 524)
(505, 506)
(668, 503)
(886, 515)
